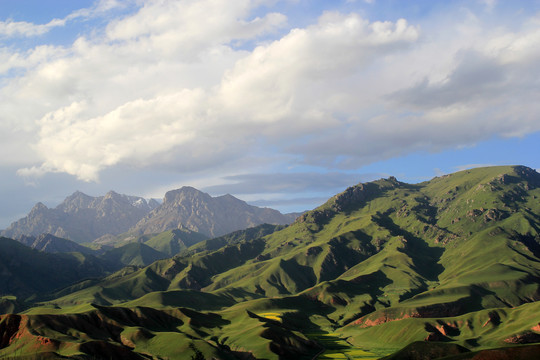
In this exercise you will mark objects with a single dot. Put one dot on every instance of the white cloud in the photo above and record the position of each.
(167, 86)
(184, 29)
(279, 81)
(12, 28)
(489, 4)
(202, 125)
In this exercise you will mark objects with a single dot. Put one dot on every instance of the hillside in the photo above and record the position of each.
(212, 216)
(172, 242)
(138, 254)
(52, 244)
(378, 268)
(25, 272)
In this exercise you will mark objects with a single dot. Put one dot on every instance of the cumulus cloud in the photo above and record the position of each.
(180, 83)
(199, 125)
(280, 80)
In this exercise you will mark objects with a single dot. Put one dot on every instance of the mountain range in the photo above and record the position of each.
(212, 216)
(448, 268)
(84, 218)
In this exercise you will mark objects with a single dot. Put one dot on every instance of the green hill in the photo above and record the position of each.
(375, 269)
(133, 254)
(171, 242)
(25, 272)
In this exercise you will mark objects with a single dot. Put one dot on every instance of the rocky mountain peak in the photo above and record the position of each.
(82, 218)
(75, 201)
(113, 195)
(39, 207)
(185, 192)
(212, 216)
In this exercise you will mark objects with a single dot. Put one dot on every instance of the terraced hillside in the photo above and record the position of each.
(453, 263)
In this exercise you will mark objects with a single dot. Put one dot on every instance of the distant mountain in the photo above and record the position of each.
(83, 218)
(53, 244)
(212, 216)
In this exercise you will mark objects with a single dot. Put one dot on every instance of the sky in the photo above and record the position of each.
(281, 103)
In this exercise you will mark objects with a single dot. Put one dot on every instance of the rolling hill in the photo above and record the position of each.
(171, 242)
(450, 266)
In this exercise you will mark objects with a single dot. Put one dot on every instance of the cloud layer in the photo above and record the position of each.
(201, 84)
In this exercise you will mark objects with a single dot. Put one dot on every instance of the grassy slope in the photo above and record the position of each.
(174, 241)
(25, 271)
(137, 254)
(383, 260)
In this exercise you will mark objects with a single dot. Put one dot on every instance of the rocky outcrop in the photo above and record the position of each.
(440, 310)
(9, 326)
(528, 337)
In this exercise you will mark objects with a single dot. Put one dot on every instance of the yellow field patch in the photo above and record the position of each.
(271, 316)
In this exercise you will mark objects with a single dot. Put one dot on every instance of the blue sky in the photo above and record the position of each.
(280, 103)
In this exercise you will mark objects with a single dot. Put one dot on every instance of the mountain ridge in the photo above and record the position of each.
(212, 216)
(83, 218)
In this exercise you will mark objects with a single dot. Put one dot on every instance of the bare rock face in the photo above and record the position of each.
(190, 208)
(525, 338)
(82, 218)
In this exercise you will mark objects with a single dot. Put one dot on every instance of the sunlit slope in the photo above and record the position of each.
(430, 239)
(383, 264)
(171, 242)
(472, 235)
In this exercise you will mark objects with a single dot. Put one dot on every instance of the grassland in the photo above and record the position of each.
(380, 267)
